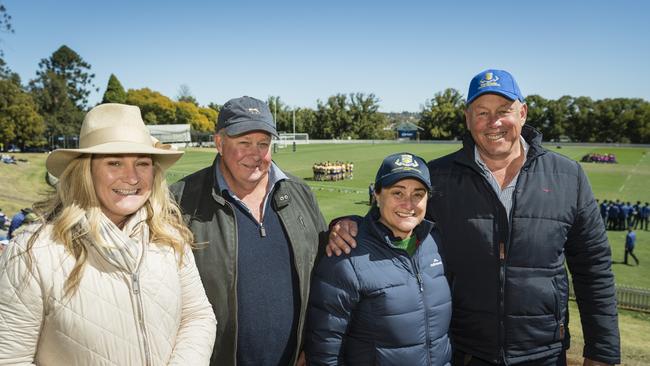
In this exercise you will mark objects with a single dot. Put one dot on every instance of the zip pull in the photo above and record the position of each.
(502, 251)
(302, 221)
(262, 230)
(136, 283)
(419, 277)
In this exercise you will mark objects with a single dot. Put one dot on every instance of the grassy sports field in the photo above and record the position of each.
(629, 180)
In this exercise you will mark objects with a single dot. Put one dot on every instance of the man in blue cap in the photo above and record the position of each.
(511, 213)
(258, 230)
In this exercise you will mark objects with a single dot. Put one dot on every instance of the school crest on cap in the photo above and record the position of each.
(406, 160)
(489, 79)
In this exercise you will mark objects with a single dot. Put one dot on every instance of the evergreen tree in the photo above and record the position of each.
(68, 65)
(115, 92)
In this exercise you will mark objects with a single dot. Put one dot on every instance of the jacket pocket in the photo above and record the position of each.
(561, 297)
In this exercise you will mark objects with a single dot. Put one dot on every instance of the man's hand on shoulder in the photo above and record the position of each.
(341, 237)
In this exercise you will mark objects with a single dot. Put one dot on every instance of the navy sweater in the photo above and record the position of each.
(267, 291)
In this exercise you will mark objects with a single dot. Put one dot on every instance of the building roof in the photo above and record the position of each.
(407, 126)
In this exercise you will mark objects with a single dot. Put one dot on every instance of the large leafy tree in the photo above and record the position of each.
(281, 113)
(343, 116)
(367, 121)
(334, 118)
(443, 116)
(580, 122)
(155, 107)
(201, 119)
(537, 116)
(20, 122)
(62, 116)
(115, 92)
(159, 109)
(306, 121)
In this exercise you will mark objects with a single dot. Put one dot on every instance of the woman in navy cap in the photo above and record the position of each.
(388, 302)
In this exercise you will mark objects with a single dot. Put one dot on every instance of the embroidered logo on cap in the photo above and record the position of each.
(253, 111)
(489, 79)
(406, 160)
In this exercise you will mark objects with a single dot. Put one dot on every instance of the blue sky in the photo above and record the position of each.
(402, 51)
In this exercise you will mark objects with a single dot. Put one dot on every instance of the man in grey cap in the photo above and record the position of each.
(258, 230)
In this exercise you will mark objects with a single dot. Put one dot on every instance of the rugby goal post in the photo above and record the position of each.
(286, 139)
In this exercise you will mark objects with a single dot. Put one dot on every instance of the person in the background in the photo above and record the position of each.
(30, 218)
(3, 220)
(17, 220)
(261, 228)
(511, 213)
(604, 212)
(645, 216)
(630, 242)
(107, 276)
(371, 194)
(388, 302)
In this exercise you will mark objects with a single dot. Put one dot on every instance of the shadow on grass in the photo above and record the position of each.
(625, 264)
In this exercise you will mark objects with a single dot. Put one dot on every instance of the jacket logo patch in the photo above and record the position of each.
(546, 190)
(436, 262)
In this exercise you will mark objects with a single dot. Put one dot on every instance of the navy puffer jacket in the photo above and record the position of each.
(378, 305)
(507, 274)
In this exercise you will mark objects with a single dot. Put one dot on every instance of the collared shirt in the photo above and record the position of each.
(267, 281)
(505, 194)
(275, 175)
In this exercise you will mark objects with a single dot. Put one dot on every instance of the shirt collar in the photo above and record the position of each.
(275, 176)
(479, 161)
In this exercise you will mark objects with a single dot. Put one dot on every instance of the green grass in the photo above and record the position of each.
(628, 181)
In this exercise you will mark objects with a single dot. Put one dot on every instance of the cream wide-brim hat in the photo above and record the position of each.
(113, 128)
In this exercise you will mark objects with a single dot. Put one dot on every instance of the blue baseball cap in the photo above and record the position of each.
(400, 166)
(245, 114)
(494, 82)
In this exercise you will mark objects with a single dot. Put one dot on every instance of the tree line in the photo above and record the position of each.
(40, 111)
(580, 119)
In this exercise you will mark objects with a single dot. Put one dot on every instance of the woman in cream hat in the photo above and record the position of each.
(107, 276)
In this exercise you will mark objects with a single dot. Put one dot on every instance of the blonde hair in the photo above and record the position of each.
(75, 200)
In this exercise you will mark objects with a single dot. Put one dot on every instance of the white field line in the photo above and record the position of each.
(629, 176)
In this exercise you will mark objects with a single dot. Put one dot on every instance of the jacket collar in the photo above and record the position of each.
(279, 195)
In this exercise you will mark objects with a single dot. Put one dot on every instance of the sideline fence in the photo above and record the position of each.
(629, 298)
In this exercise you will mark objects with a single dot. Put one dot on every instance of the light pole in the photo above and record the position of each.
(294, 123)
(275, 110)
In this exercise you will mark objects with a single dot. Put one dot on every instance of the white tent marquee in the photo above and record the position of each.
(178, 135)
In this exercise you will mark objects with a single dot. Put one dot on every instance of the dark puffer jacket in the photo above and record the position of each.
(507, 277)
(378, 306)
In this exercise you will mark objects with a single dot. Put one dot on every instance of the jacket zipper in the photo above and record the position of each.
(502, 251)
(135, 280)
(418, 276)
(262, 230)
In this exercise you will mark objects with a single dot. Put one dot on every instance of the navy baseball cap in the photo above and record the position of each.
(494, 82)
(400, 166)
(245, 114)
